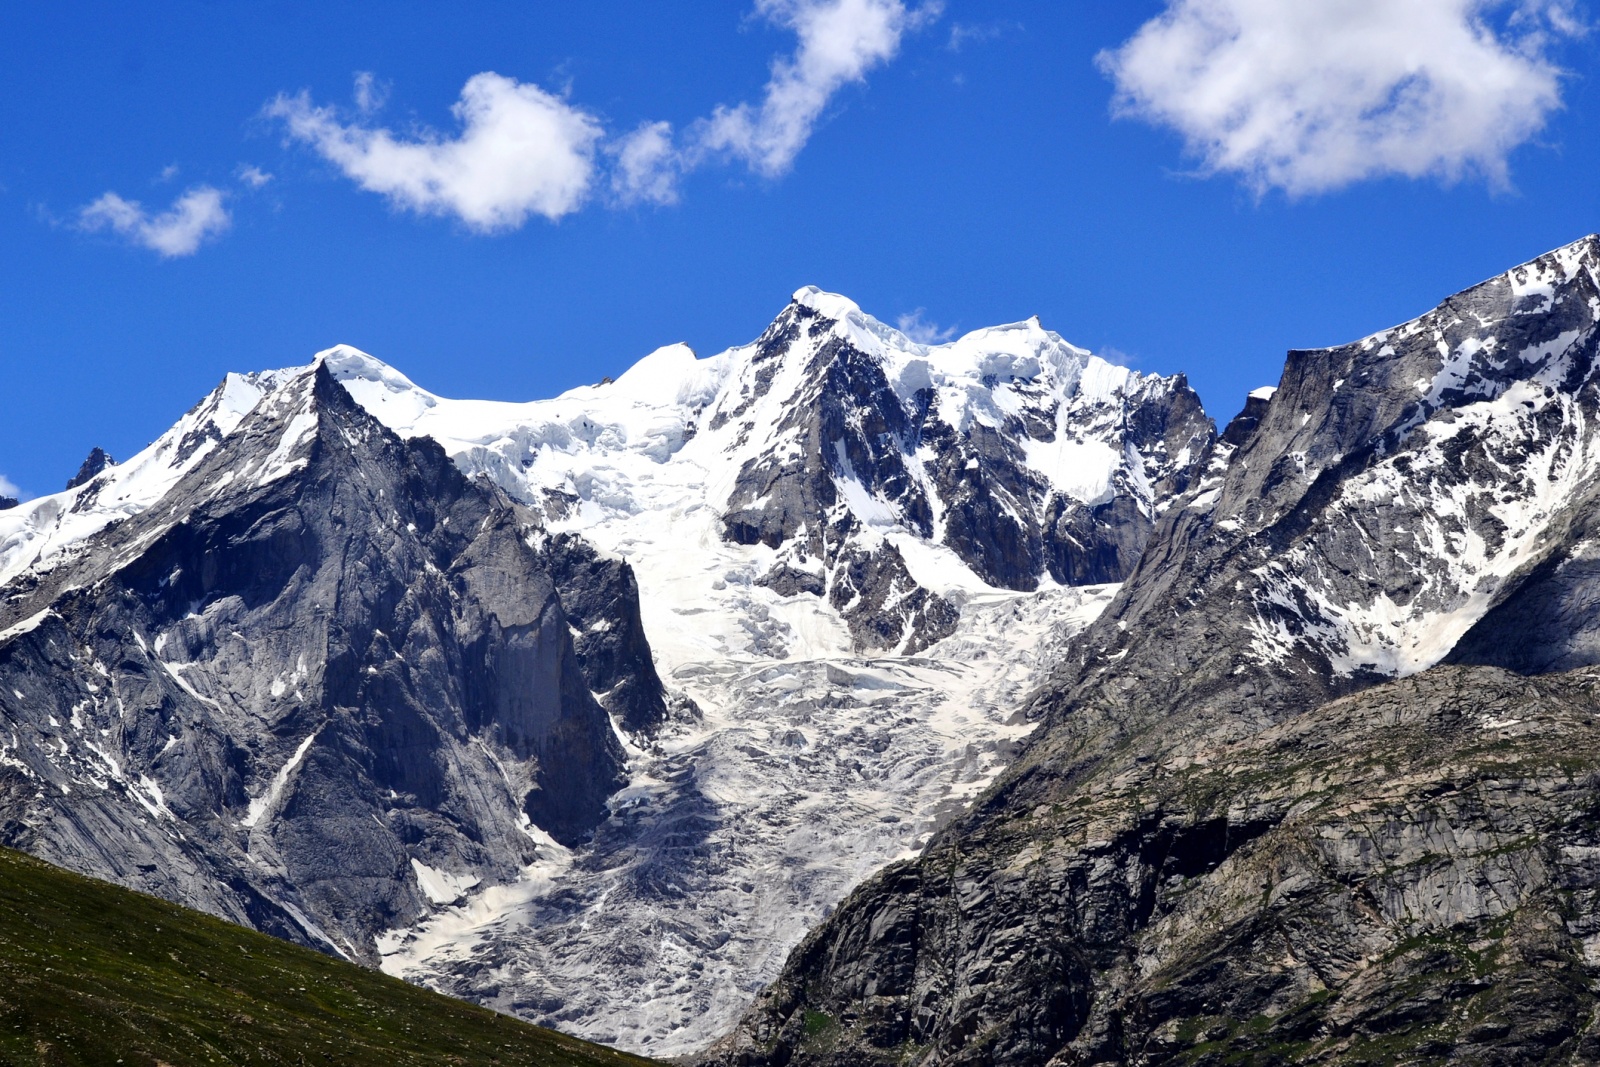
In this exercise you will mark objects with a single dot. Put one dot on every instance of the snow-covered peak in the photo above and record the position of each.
(670, 376)
(829, 305)
(1532, 286)
(48, 529)
(1422, 470)
(1017, 350)
(348, 364)
(678, 435)
(395, 399)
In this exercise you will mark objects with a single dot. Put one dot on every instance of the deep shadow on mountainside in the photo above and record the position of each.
(93, 974)
(325, 676)
(1289, 802)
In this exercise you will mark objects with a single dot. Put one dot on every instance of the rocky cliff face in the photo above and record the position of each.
(318, 683)
(1419, 494)
(1407, 875)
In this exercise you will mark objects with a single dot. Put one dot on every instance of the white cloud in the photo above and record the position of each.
(647, 166)
(840, 41)
(253, 176)
(923, 332)
(178, 231)
(9, 488)
(370, 94)
(965, 33)
(1311, 96)
(168, 172)
(521, 152)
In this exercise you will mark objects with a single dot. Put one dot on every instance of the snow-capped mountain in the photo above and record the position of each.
(283, 627)
(831, 491)
(836, 457)
(1174, 849)
(317, 674)
(1370, 511)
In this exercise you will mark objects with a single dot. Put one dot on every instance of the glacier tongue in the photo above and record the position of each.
(743, 828)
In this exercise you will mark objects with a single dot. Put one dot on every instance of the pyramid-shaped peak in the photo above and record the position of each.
(98, 461)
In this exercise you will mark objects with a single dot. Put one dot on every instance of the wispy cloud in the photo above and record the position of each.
(194, 217)
(1309, 97)
(370, 93)
(840, 41)
(646, 166)
(9, 488)
(521, 151)
(252, 175)
(964, 33)
(920, 330)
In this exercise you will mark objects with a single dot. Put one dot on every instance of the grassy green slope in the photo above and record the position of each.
(91, 973)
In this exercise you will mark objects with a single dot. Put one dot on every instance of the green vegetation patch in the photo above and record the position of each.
(91, 973)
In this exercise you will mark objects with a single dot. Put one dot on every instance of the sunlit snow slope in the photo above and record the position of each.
(836, 457)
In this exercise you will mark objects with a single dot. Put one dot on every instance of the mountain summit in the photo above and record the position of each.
(884, 478)
(1040, 721)
(319, 676)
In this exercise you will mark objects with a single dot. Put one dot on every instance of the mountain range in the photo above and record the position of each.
(841, 699)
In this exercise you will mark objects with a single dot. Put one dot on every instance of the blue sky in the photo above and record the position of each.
(188, 188)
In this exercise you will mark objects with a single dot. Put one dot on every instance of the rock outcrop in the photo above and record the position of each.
(1421, 494)
(1406, 875)
(96, 462)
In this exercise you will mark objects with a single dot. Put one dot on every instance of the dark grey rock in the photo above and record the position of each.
(884, 606)
(1363, 884)
(601, 599)
(326, 657)
(96, 462)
